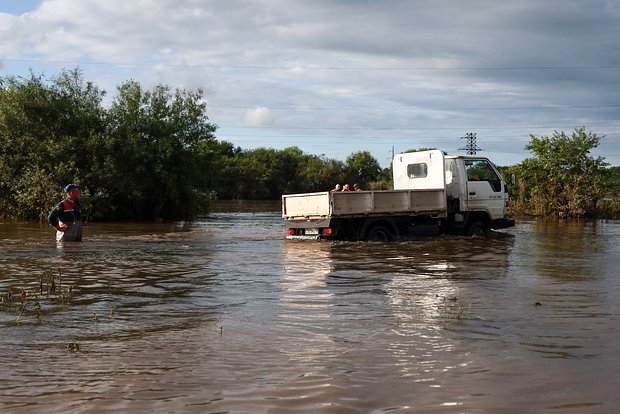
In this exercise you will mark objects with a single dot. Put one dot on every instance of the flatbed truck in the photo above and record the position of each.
(434, 193)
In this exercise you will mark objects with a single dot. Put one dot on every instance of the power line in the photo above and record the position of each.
(308, 67)
(392, 109)
(361, 128)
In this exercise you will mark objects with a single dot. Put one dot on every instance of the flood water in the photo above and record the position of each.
(223, 314)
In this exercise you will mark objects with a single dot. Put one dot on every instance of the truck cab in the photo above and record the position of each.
(475, 190)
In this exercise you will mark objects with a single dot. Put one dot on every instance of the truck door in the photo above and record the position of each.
(484, 187)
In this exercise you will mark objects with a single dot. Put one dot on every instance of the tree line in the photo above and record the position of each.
(153, 154)
(149, 154)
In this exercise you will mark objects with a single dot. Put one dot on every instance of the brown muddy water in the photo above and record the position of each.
(223, 314)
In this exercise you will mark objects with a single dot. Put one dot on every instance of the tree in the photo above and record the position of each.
(612, 181)
(362, 167)
(319, 173)
(420, 149)
(562, 178)
(46, 127)
(218, 168)
(151, 167)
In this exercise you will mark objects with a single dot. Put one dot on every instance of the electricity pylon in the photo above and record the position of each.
(471, 146)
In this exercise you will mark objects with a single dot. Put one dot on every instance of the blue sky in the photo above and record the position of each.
(17, 7)
(338, 76)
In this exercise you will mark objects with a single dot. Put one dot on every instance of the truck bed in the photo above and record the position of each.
(362, 203)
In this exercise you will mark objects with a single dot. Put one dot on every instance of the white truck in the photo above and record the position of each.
(433, 193)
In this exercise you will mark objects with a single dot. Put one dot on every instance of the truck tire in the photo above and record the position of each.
(477, 229)
(379, 233)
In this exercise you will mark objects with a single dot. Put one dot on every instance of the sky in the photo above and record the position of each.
(334, 77)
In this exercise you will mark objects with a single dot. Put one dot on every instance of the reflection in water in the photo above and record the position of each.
(224, 315)
(307, 310)
(409, 286)
(565, 246)
(305, 264)
(413, 286)
(570, 266)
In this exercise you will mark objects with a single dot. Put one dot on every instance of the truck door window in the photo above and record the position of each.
(481, 170)
(419, 170)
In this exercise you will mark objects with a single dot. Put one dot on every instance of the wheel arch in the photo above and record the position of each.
(481, 216)
(476, 218)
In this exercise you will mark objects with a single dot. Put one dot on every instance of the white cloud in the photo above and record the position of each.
(343, 76)
(259, 117)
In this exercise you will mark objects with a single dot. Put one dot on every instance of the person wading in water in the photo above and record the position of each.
(66, 216)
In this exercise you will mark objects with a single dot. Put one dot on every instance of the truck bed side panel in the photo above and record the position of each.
(310, 205)
(364, 203)
(387, 202)
(428, 200)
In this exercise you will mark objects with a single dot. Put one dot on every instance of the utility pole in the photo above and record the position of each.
(471, 146)
(392, 155)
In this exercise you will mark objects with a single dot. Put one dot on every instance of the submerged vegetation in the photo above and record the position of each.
(29, 302)
(563, 180)
(153, 154)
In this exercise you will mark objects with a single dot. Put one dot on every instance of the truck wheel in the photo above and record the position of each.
(378, 233)
(477, 229)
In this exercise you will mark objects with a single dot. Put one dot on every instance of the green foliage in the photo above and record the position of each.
(150, 154)
(43, 127)
(136, 159)
(562, 179)
(420, 149)
(611, 177)
(319, 174)
(608, 208)
(148, 166)
(362, 168)
(267, 173)
(218, 168)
